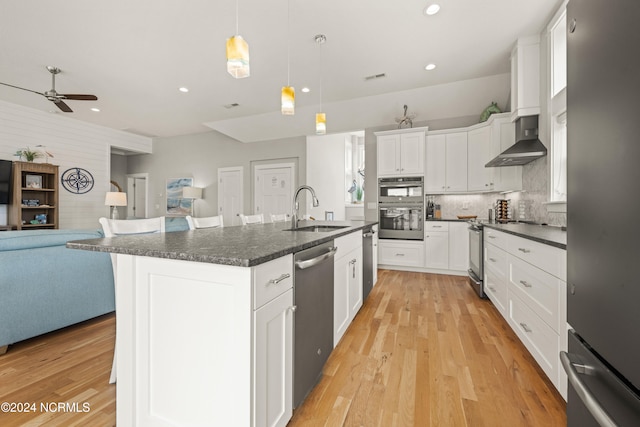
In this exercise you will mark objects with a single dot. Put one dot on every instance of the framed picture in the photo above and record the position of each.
(176, 205)
(33, 181)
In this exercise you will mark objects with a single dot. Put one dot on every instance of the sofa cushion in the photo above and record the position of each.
(29, 239)
(175, 223)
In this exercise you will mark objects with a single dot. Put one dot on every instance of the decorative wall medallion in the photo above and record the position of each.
(77, 180)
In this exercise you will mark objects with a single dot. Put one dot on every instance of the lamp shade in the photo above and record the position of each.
(115, 198)
(238, 57)
(288, 101)
(321, 123)
(192, 193)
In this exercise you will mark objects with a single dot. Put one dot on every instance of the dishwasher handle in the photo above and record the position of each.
(302, 264)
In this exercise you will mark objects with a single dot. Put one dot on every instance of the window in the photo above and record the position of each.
(354, 168)
(557, 102)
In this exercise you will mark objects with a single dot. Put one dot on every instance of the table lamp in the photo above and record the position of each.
(114, 199)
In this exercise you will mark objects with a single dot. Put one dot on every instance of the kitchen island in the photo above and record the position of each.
(205, 320)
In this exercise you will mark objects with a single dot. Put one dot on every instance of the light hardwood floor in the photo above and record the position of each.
(423, 351)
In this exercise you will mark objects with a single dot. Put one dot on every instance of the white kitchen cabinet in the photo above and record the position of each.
(273, 361)
(526, 281)
(401, 253)
(347, 283)
(458, 246)
(446, 163)
(401, 152)
(525, 77)
(436, 249)
(374, 229)
(232, 373)
(479, 145)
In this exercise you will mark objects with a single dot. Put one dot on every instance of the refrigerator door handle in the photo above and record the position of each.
(573, 371)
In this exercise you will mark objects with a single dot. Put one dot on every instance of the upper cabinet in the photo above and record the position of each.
(401, 152)
(479, 152)
(525, 77)
(446, 163)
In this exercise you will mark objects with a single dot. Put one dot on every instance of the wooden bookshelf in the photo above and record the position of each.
(35, 193)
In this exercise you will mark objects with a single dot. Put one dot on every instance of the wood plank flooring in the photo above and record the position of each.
(424, 350)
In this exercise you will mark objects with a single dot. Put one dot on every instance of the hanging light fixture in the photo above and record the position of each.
(321, 118)
(237, 54)
(288, 95)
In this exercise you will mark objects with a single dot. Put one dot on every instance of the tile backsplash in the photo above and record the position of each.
(535, 193)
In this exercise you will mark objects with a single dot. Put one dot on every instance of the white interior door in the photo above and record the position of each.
(137, 196)
(230, 203)
(273, 189)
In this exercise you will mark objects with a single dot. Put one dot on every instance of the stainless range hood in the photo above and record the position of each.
(527, 147)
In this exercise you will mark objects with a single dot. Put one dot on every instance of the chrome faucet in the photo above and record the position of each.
(294, 215)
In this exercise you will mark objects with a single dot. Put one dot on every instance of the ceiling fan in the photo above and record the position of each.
(55, 97)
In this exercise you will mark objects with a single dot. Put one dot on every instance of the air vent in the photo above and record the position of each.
(375, 76)
(229, 106)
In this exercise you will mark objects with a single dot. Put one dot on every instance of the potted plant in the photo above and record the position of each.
(28, 155)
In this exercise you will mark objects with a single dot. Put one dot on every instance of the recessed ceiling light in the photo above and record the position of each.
(432, 9)
(184, 89)
(306, 90)
(96, 110)
(430, 67)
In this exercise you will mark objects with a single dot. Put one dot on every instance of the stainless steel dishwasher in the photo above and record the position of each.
(313, 325)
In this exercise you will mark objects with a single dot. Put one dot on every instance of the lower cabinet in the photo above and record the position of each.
(347, 283)
(436, 248)
(526, 281)
(403, 253)
(273, 362)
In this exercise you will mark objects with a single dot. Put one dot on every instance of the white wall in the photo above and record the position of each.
(73, 144)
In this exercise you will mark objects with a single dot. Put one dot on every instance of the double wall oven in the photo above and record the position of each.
(401, 208)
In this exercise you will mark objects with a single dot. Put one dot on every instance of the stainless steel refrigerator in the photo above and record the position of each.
(603, 242)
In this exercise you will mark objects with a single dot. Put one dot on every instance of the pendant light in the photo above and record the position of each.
(237, 54)
(321, 118)
(288, 95)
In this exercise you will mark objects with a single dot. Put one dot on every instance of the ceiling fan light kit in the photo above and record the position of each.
(55, 97)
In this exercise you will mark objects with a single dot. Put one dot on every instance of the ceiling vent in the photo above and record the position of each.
(375, 76)
(229, 106)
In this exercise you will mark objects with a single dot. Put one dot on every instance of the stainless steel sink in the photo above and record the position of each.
(318, 228)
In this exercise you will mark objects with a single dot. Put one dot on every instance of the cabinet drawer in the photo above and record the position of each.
(271, 279)
(401, 254)
(346, 244)
(541, 341)
(542, 292)
(496, 238)
(495, 286)
(436, 226)
(548, 258)
(496, 259)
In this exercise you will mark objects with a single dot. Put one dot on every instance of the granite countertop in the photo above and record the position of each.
(549, 235)
(448, 219)
(243, 246)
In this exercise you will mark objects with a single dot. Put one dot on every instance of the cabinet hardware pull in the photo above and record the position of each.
(279, 279)
(525, 284)
(437, 226)
(523, 250)
(526, 328)
(399, 254)
(293, 308)
(492, 288)
(491, 237)
(492, 260)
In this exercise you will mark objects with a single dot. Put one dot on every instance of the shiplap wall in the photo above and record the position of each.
(73, 144)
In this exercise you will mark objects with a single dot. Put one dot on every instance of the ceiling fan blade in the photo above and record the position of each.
(21, 88)
(79, 97)
(61, 105)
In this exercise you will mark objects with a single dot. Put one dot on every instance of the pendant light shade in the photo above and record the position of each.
(321, 123)
(288, 101)
(321, 118)
(238, 57)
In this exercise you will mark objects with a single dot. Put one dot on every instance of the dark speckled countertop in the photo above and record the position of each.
(549, 235)
(243, 246)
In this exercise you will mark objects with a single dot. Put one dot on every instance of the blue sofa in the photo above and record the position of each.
(44, 286)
